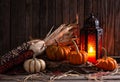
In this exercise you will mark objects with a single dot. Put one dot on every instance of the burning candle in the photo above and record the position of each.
(91, 54)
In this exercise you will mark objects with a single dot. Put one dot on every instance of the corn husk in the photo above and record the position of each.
(63, 33)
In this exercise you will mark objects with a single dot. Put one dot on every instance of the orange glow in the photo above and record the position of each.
(91, 49)
(91, 54)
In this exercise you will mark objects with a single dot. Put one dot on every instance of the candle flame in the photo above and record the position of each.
(91, 49)
(91, 54)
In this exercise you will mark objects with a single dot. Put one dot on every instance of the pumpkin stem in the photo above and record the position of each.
(34, 56)
(57, 42)
(105, 52)
(76, 47)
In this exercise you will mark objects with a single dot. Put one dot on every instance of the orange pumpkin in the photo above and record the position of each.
(77, 57)
(57, 52)
(106, 63)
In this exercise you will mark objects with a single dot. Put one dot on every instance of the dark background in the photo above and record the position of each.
(20, 19)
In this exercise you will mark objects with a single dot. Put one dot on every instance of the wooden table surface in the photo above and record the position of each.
(69, 76)
(95, 77)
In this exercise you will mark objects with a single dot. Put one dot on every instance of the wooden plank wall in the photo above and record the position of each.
(20, 19)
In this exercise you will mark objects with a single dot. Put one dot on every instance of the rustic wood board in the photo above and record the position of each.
(18, 78)
(64, 76)
(21, 18)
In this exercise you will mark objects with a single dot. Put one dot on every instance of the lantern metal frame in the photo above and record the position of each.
(91, 27)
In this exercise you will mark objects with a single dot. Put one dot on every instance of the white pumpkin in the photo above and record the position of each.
(34, 65)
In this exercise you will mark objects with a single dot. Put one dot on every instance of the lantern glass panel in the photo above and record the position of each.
(91, 49)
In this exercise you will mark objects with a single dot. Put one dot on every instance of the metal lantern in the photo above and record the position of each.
(91, 38)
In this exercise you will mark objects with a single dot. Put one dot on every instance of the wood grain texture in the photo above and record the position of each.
(4, 26)
(59, 14)
(81, 78)
(51, 14)
(73, 11)
(95, 7)
(43, 18)
(87, 8)
(117, 27)
(20, 19)
(36, 13)
(102, 14)
(28, 19)
(110, 26)
(80, 12)
(18, 29)
(66, 10)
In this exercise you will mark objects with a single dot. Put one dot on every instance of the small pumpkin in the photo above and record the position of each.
(34, 65)
(106, 63)
(77, 57)
(57, 52)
